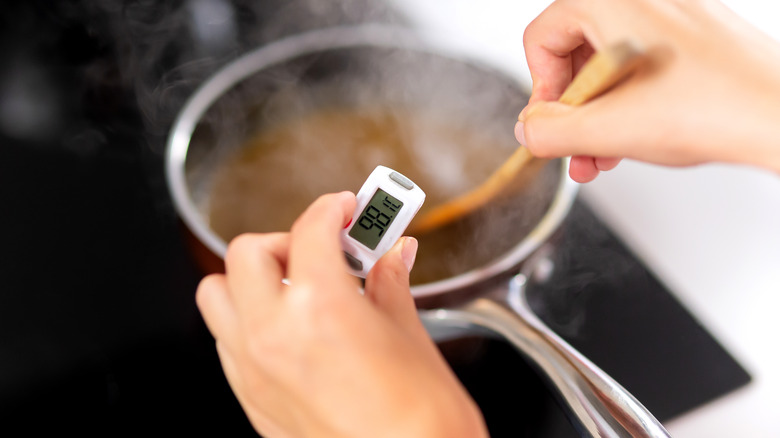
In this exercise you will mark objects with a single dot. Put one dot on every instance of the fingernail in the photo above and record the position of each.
(520, 133)
(409, 252)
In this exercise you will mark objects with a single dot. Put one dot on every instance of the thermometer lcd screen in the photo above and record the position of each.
(375, 219)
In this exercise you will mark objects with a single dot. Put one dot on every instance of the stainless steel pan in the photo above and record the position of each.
(483, 297)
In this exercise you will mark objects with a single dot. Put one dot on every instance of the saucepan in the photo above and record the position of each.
(316, 112)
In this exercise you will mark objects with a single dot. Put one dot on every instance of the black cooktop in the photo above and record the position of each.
(605, 303)
(99, 333)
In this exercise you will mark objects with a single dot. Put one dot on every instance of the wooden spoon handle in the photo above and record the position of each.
(601, 72)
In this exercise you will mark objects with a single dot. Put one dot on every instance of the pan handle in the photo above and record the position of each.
(598, 404)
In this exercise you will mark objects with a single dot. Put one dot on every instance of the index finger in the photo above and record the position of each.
(549, 41)
(316, 257)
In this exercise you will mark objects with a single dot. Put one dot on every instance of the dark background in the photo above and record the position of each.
(99, 333)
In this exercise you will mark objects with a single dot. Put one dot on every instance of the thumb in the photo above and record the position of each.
(387, 284)
(603, 127)
(548, 131)
(551, 129)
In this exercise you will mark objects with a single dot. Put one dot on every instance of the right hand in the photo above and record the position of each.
(711, 91)
(315, 358)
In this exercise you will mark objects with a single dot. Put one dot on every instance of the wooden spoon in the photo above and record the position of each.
(603, 70)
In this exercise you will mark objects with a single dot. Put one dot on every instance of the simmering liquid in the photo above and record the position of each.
(268, 183)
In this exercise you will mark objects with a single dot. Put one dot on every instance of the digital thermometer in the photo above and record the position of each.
(386, 204)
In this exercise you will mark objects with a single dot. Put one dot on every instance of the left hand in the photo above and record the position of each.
(315, 358)
(708, 91)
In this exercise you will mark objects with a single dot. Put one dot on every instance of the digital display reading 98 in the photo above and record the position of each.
(375, 219)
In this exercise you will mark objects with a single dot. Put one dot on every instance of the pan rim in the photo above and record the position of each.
(367, 35)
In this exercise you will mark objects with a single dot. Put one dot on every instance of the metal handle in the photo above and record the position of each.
(600, 405)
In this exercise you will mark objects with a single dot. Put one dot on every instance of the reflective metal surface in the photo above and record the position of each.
(101, 335)
(363, 36)
(601, 406)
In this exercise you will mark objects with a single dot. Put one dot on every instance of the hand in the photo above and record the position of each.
(711, 91)
(315, 358)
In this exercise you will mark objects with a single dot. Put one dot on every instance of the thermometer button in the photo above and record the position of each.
(384, 206)
(402, 180)
(353, 262)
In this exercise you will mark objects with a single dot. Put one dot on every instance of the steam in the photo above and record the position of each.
(448, 122)
(157, 53)
(162, 51)
(172, 51)
(587, 271)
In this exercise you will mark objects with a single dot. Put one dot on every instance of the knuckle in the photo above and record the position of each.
(209, 281)
(241, 245)
(299, 223)
(386, 274)
(322, 202)
(528, 33)
(532, 31)
(209, 284)
(318, 312)
(311, 302)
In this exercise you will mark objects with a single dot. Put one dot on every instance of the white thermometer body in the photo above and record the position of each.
(386, 204)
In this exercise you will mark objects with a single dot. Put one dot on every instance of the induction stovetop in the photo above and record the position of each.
(99, 332)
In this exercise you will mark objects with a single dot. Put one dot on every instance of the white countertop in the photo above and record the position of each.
(711, 233)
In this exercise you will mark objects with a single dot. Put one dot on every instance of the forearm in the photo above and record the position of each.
(767, 140)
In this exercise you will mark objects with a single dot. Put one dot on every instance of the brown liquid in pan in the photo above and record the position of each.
(270, 181)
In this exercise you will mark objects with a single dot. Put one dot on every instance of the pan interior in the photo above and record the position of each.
(321, 122)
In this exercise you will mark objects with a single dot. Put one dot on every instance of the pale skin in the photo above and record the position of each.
(315, 358)
(711, 91)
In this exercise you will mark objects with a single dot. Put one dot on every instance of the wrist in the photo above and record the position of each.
(763, 131)
(765, 150)
(750, 134)
(773, 145)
